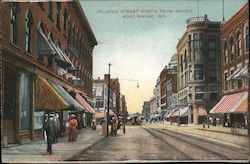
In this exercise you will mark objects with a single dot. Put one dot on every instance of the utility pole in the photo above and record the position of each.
(108, 102)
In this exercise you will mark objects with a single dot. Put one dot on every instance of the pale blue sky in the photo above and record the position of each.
(139, 48)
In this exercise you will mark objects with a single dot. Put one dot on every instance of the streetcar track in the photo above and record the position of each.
(195, 145)
(181, 153)
(235, 149)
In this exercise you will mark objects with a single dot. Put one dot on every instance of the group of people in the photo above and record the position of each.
(52, 129)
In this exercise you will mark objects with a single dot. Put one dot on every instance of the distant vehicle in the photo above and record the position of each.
(136, 120)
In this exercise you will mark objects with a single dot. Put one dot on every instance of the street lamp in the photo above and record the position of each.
(108, 102)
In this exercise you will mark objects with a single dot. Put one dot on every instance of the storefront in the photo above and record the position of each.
(232, 109)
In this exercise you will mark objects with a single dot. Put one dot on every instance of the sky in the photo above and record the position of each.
(138, 37)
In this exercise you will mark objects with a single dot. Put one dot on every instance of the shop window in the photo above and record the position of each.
(25, 101)
(28, 21)
(38, 117)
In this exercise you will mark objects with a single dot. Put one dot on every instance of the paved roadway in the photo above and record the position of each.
(152, 143)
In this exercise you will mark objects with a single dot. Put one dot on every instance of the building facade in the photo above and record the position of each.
(146, 110)
(234, 70)
(199, 70)
(47, 65)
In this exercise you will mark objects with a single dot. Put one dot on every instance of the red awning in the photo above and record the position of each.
(231, 103)
(174, 114)
(84, 103)
(100, 114)
(202, 112)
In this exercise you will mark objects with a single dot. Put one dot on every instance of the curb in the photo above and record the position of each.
(82, 151)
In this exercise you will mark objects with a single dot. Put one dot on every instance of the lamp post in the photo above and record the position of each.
(108, 102)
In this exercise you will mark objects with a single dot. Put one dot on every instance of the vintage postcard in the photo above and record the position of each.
(124, 81)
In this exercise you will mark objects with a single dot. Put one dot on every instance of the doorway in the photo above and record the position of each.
(9, 111)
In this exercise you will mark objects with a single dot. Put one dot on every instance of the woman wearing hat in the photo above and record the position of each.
(72, 128)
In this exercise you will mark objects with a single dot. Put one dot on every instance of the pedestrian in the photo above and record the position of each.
(57, 129)
(114, 126)
(72, 128)
(49, 127)
(44, 131)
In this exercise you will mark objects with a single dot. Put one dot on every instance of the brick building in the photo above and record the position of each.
(233, 107)
(47, 66)
(199, 73)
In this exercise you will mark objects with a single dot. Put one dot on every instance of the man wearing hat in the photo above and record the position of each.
(49, 127)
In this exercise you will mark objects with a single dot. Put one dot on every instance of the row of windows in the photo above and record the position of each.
(233, 47)
(42, 45)
(196, 49)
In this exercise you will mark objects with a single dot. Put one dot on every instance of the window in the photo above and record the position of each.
(212, 75)
(239, 83)
(65, 17)
(185, 59)
(238, 44)
(14, 9)
(225, 81)
(181, 64)
(213, 96)
(225, 52)
(232, 82)
(231, 49)
(212, 48)
(246, 38)
(189, 47)
(28, 21)
(197, 50)
(199, 96)
(198, 72)
(25, 101)
(58, 10)
(199, 88)
(50, 10)
(42, 46)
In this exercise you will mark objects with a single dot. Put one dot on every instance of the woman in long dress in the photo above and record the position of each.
(72, 128)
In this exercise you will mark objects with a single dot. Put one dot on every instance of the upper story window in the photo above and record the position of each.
(28, 21)
(225, 52)
(231, 48)
(185, 59)
(246, 38)
(212, 48)
(14, 9)
(65, 17)
(225, 81)
(197, 49)
(50, 11)
(199, 72)
(58, 12)
(238, 44)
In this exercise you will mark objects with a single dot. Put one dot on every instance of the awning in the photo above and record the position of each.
(84, 103)
(202, 111)
(46, 96)
(174, 114)
(100, 114)
(231, 103)
(47, 49)
(74, 104)
(184, 111)
(234, 73)
(242, 73)
(169, 114)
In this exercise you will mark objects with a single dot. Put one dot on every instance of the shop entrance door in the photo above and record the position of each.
(9, 112)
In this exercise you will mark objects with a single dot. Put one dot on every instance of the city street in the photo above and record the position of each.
(153, 142)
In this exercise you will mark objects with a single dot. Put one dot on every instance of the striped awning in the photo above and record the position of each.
(202, 111)
(84, 103)
(74, 104)
(231, 103)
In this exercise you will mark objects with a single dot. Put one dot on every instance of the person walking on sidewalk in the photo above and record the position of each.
(57, 127)
(49, 127)
(72, 128)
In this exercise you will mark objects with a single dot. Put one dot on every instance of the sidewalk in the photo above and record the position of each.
(34, 152)
(215, 133)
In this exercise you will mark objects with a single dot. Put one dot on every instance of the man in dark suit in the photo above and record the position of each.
(49, 127)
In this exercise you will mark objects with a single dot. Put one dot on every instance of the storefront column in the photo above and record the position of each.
(195, 115)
